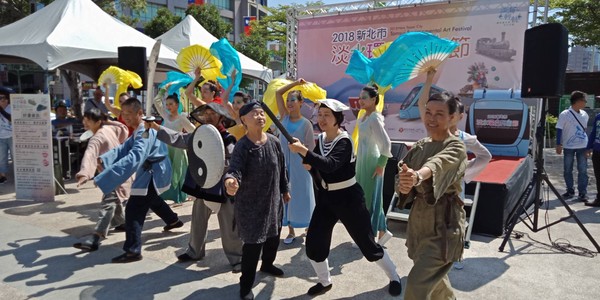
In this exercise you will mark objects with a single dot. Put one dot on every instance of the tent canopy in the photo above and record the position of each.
(76, 35)
(190, 32)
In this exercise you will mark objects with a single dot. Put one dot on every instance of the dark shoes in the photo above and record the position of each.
(582, 198)
(127, 258)
(395, 288)
(318, 289)
(595, 203)
(185, 258)
(90, 244)
(569, 194)
(273, 270)
(3, 179)
(177, 224)
(247, 296)
(120, 228)
(86, 246)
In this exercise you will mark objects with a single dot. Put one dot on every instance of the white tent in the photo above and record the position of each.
(190, 32)
(76, 35)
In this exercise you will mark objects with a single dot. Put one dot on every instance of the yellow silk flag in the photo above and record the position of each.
(309, 90)
(122, 78)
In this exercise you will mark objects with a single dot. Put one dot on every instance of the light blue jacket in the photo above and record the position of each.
(121, 162)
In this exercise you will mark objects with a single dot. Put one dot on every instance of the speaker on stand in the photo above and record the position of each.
(134, 59)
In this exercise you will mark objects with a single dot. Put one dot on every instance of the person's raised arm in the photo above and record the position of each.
(113, 109)
(283, 111)
(225, 103)
(189, 90)
(425, 92)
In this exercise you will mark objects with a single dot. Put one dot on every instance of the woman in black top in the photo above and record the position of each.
(339, 197)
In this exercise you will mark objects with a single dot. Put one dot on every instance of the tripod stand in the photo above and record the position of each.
(536, 183)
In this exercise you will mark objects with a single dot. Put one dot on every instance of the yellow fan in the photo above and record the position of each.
(122, 78)
(309, 90)
(379, 50)
(196, 56)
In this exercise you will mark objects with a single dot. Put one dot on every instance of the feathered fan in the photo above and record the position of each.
(122, 78)
(409, 55)
(196, 56)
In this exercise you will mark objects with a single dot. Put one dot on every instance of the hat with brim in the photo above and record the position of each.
(197, 113)
(248, 107)
(334, 104)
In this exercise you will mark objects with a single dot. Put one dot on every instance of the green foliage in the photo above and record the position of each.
(255, 47)
(209, 17)
(110, 7)
(551, 126)
(162, 22)
(581, 17)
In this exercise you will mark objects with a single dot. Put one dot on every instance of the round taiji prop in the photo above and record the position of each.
(86, 135)
(195, 56)
(206, 156)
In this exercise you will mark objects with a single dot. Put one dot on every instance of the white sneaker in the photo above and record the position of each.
(385, 238)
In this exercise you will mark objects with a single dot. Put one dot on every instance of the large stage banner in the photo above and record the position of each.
(32, 142)
(490, 34)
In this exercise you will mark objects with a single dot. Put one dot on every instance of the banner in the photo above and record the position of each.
(32, 142)
(490, 34)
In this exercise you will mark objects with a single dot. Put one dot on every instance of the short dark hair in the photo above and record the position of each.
(123, 94)
(95, 115)
(212, 85)
(577, 95)
(134, 103)
(338, 115)
(245, 97)
(447, 98)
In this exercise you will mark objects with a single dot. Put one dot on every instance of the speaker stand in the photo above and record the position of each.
(539, 177)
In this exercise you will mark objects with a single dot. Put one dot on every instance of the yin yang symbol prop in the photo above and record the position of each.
(206, 155)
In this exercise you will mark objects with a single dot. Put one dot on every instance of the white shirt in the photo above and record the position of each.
(573, 135)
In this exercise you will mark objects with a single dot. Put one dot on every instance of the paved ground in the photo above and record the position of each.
(37, 260)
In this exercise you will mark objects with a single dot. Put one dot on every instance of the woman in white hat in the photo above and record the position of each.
(339, 198)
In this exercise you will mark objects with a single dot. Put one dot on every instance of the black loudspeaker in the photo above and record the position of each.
(134, 59)
(545, 59)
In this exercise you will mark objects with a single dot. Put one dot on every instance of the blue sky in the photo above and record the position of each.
(274, 3)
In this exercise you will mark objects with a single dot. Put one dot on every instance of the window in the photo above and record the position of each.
(221, 4)
(179, 12)
(149, 14)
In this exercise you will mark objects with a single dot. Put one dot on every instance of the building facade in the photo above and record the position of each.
(583, 59)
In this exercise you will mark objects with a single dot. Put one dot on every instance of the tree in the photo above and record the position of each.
(162, 22)
(581, 17)
(209, 17)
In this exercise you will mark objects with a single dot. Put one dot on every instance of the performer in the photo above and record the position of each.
(107, 135)
(239, 99)
(374, 149)
(209, 91)
(257, 178)
(339, 198)
(116, 111)
(177, 122)
(298, 212)
(146, 158)
(207, 200)
(432, 174)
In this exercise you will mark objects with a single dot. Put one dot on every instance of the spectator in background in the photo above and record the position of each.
(96, 102)
(5, 134)
(62, 124)
(571, 137)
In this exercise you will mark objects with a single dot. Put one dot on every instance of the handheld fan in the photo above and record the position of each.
(178, 81)
(310, 91)
(122, 78)
(231, 61)
(409, 55)
(195, 56)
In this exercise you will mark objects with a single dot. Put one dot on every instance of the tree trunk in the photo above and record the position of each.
(74, 83)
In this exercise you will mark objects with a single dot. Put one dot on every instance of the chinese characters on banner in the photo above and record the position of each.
(32, 141)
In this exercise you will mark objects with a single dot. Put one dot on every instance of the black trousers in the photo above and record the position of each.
(250, 255)
(348, 206)
(135, 215)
